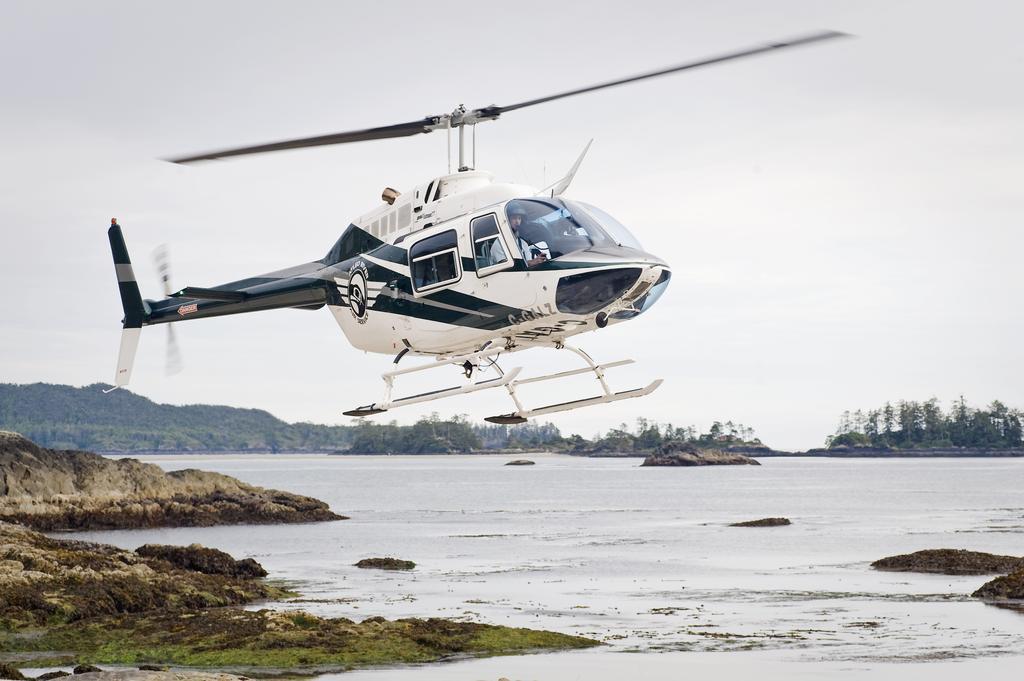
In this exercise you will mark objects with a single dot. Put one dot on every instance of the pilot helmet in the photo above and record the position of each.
(516, 208)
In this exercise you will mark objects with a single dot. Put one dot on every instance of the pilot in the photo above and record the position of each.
(522, 232)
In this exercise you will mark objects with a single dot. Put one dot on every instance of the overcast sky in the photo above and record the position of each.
(844, 220)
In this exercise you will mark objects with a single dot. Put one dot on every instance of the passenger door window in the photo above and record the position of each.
(490, 252)
(434, 262)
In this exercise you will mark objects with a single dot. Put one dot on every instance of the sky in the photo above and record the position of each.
(844, 221)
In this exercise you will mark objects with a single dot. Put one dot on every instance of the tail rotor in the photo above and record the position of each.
(162, 261)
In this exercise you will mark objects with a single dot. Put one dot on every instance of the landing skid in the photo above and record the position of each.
(521, 414)
(507, 379)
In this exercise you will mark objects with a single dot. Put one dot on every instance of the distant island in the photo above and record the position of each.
(66, 417)
(924, 425)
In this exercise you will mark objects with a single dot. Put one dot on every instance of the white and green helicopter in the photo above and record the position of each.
(463, 269)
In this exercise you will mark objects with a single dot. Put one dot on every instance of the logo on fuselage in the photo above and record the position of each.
(357, 299)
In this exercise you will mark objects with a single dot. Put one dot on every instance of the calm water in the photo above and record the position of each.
(642, 559)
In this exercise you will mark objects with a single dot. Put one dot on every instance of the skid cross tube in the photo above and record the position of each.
(521, 414)
(503, 379)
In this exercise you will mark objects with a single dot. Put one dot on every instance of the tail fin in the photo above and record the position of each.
(131, 301)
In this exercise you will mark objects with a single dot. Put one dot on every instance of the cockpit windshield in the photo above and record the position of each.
(612, 227)
(546, 229)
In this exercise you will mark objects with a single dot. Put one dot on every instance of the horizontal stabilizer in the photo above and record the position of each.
(210, 294)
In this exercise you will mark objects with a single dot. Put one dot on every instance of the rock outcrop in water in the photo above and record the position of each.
(201, 559)
(385, 564)
(51, 489)
(763, 522)
(950, 562)
(66, 602)
(679, 453)
(1007, 587)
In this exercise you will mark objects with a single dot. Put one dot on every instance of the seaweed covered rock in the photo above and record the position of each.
(1007, 587)
(385, 564)
(49, 489)
(950, 562)
(763, 522)
(152, 672)
(85, 669)
(270, 640)
(679, 453)
(51, 581)
(201, 559)
(9, 671)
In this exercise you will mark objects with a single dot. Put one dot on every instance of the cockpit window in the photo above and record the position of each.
(612, 227)
(548, 229)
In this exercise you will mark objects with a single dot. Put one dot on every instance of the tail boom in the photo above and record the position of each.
(295, 287)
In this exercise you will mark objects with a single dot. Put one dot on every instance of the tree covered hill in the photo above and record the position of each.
(65, 417)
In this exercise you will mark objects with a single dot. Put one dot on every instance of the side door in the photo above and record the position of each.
(491, 248)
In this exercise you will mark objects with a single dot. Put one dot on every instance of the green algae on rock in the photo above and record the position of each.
(236, 639)
(49, 489)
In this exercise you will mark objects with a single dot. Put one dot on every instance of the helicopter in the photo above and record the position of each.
(463, 269)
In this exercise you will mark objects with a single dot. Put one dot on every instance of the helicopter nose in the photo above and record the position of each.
(589, 292)
(616, 294)
(643, 297)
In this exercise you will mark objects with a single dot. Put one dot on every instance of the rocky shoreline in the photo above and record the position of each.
(70, 602)
(67, 602)
(88, 672)
(49, 489)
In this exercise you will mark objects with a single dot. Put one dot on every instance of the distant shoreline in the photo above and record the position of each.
(753, 452)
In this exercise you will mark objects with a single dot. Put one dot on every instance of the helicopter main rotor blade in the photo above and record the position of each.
(494, 111)
(428, 124)
(460, 117)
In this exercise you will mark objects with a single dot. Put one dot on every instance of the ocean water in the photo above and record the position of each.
(643, 559)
